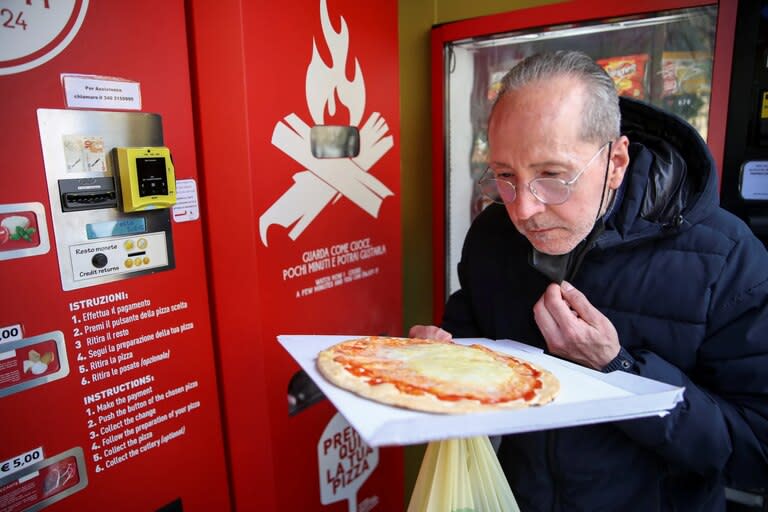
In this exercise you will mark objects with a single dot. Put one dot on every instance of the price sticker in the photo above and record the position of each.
(10, 333)
(14, 464)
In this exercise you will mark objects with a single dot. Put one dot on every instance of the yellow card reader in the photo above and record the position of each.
(147, 178)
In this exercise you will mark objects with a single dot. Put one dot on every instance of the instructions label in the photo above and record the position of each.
(121, 343)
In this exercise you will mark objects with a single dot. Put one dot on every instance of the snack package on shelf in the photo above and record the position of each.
(686, 86)
(494, 84)
(686, 73)
(628, 73)
(461, 475)
(478, 165)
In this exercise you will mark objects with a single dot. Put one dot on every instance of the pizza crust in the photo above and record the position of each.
(388, 393)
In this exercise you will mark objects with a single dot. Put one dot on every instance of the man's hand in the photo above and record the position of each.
(429, 332)
(574, 329)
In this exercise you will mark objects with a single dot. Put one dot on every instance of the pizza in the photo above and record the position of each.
(436, 376)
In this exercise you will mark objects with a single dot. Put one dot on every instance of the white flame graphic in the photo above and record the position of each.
(323, 83)
(324, 181)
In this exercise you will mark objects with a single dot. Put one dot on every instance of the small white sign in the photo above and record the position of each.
(11, 333)
(84, 91)
(187, 207)
(754, 180)
(14, 464)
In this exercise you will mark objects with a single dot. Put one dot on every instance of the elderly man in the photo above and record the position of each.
(608, 248)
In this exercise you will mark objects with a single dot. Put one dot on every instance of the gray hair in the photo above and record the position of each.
(601, 118)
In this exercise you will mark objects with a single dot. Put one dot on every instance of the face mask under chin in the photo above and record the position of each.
(563, 267)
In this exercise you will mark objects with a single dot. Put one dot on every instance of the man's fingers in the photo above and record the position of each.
(559, 324)
(573, 328)
(579, 303)
(547, 324)
(557, 307)
(417, 331)
(431, 332)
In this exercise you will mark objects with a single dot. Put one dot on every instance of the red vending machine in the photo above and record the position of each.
(675, 54)
(108, 393)
(298, 111)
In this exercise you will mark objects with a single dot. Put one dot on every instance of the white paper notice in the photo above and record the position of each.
(83, 91)
(754, 180)
(187, 207)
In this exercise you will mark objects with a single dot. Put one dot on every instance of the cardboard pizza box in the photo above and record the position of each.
(586, 396)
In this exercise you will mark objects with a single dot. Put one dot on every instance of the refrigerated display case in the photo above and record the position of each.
(673, 54)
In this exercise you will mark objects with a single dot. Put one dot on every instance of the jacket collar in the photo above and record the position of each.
(671, 182)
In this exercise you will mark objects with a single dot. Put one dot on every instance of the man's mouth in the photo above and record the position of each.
(540, 230)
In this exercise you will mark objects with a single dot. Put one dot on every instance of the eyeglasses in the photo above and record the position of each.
(546, 190)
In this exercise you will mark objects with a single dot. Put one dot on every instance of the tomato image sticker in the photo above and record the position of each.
(18, 230)
(23, 231)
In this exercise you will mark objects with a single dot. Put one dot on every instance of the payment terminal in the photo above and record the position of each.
(111, 182)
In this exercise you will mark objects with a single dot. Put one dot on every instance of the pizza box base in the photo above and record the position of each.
(586, 396)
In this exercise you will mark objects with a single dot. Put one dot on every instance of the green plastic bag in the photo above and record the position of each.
(461, 475)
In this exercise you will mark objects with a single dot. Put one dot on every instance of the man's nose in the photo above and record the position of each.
(525, 205)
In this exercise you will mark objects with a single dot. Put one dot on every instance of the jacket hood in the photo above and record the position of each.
(671, 183)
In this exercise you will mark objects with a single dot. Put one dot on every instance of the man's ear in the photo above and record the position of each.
(619, 162)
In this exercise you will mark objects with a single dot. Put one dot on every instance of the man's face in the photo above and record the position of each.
(534, 133)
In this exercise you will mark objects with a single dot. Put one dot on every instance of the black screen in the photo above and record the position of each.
(152, 177)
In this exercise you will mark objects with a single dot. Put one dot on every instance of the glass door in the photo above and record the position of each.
(664, 59)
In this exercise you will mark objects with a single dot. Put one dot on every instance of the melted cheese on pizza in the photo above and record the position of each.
(444, 369)
(451, 363)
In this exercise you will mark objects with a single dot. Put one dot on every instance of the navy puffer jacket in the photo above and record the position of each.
(685, 283)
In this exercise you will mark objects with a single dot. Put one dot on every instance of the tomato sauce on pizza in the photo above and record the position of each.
(436, 376)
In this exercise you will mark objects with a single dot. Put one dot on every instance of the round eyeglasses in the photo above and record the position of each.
(546, 190)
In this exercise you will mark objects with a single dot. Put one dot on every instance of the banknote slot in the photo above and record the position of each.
(88, 200)
(87, 194)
